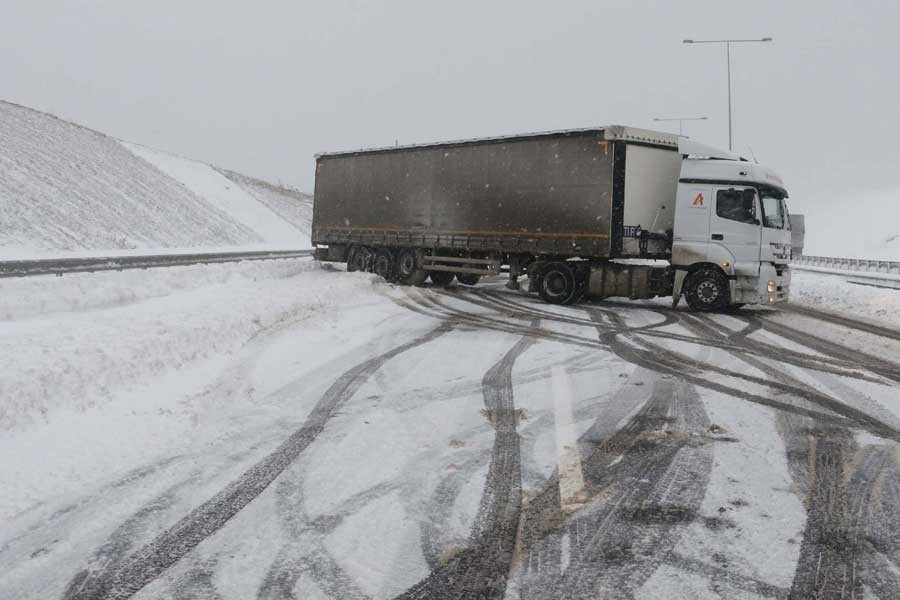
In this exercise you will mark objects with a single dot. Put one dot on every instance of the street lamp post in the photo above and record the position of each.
(681, 121)
(728, 44)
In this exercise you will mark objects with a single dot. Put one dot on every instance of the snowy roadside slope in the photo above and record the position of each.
(292, 205)
(65, 187)
(233, 199)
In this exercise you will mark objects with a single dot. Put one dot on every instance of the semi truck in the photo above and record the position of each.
(589, 213)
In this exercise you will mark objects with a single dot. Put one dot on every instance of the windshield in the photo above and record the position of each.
(773, 212)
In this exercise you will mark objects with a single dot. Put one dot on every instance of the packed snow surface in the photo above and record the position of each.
(427, 426)
(837, 293)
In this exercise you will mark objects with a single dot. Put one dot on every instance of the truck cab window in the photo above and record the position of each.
(773, 212)
(737, 205)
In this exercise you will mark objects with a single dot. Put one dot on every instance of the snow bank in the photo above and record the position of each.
(223, 193)
(67, 356)
(30, 297)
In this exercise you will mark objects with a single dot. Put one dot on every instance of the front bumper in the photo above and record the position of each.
(756, 290)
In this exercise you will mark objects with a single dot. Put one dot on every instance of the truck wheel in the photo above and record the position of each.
(707, 290)
(468, 278)
(441, 278)
(407, 269)
(558, 284)
(383, 264)
(360, 259)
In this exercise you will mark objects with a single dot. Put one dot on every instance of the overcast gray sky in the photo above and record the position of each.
(261, 86)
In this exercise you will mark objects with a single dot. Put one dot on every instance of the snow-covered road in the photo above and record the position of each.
(309, 433)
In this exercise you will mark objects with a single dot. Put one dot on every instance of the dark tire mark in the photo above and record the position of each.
(827, 567)
(660, 359)
(727, 577)
(137, 570)
(839, 366)
(843, 321)
(197, 582)
(642, 482)
(841, 493)
(887, 369)
(480, 570)
(305, 553)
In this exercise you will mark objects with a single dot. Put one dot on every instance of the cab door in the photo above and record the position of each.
(734, 228)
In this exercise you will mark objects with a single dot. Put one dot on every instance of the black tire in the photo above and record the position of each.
(468, 278)
(707, 290)
(441, 278)
(360, 259)
(558, 284)
(406, 268)
(383, 264)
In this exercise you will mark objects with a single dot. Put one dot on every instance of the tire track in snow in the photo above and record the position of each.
(642, 483)
(887, 369)
(799, 420)
(844, 541)
(480, 570)
(129, 576)
(848, 322)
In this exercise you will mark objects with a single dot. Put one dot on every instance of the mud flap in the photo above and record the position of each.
(680, 275)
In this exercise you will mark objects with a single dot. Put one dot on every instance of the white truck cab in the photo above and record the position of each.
(731, 221)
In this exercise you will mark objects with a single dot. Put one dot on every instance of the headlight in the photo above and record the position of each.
(772, 286)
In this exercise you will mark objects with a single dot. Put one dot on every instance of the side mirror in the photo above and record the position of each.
(756, 222)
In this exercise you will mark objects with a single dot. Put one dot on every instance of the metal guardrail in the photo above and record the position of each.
(61, 266)
(849, 264)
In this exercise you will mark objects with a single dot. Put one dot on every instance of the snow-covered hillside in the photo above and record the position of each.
(64, 187)
(227, 195)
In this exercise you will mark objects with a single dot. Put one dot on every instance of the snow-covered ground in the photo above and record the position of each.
(287, 428)
(122, 351)
(67, 188)
(836, 292)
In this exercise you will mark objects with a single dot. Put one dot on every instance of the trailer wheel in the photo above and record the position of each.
(441, 278)
(468, 278)
(407, 267)
(707, 290)
(360, 259)
(558, 284)
(383, 264)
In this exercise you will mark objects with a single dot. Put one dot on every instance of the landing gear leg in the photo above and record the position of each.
(515, 269)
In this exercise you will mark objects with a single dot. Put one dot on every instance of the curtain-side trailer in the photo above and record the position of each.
(612, 211)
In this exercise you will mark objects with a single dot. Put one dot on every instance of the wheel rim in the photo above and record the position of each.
(556, 284)
(407, 264)
(383, 266)
(360, 260)
(707, 291)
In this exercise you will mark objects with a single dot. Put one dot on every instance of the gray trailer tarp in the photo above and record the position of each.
(543, 194)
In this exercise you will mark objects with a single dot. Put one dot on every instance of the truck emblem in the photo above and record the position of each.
(698, 201)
